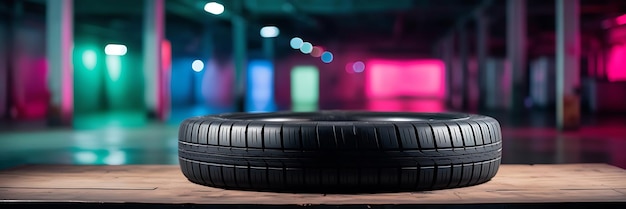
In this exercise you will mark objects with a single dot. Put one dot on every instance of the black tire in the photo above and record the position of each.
(340, 151)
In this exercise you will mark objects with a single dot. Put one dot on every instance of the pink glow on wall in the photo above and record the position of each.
(31, 95)
(621, 20)
(616, 69)
(405, 78)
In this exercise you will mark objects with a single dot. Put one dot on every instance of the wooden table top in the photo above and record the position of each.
(156, 184)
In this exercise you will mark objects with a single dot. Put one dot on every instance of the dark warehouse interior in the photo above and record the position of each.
(107, 83)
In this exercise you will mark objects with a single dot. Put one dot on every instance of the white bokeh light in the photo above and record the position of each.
(197, 65)
(214, 8)
(269, 31)
(115, 49)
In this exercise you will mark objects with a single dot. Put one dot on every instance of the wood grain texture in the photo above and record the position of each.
(568, 183)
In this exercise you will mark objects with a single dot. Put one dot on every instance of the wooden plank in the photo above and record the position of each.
(561, 183)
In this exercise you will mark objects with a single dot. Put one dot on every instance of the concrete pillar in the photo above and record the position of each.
(567, 64)
(208, 45)
(240, 46)
(456, 87)
(207, 52)
(153, 35)
(482, 52)
(60, 41)
(516, 50)
(4, 71)
(464, 71)
(448, 59)
(268, 49)
(17, 13)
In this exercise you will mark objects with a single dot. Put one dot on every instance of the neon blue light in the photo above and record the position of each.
(260, 92)
(327, 57)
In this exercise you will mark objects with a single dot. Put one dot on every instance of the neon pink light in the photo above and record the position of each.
(616, 69)
(163, 104)
(411, 78)
(621, 20)
(166, 55)
(418, 105)
(67, 66)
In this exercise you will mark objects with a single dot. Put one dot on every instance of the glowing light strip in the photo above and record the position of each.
(304, 88)
(410, 78)
(260, 93)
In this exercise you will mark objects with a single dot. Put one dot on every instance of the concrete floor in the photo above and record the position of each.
(599, 141)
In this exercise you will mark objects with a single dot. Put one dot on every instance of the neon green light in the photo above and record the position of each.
(304, 88)
(114, 66)
(90, 59)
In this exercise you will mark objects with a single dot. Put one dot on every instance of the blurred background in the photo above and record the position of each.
(107, 82)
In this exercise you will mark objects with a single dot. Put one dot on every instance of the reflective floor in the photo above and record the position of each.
(151, 144)
(598, 141)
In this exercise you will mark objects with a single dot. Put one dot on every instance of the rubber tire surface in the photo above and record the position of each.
(339, 151)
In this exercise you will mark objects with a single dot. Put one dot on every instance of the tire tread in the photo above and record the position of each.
(476, 139)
